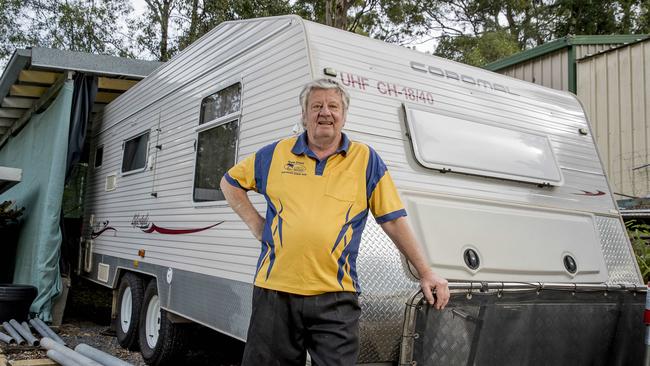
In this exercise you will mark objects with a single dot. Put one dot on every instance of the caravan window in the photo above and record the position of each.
(216, 148)
(99, 156)
(222, 103)
(134, 157)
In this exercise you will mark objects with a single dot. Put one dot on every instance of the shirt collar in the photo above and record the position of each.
(300, 147)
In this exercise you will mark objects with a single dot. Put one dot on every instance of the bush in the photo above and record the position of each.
(639, 234)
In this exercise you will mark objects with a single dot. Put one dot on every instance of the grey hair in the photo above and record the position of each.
(324, 84)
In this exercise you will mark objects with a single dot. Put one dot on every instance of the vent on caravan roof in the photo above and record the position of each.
(449, 143)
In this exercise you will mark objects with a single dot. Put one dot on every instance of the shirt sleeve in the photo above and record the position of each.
(242, 175)
(383, 199)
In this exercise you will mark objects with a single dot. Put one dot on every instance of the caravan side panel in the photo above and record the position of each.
(204, 275)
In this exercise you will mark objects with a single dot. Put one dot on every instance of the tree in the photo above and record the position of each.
(396, 21)
(477, 50)
(74, 25)
(152, 32)
(198, 17)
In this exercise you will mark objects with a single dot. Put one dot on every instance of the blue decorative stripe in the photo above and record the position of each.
(262, 164)
(349, 254)
(233, 182)
(271, 258)
(374, 171)
(279, 226)
(390, 216)
(267, 233)
(262, 258)
(344, 229)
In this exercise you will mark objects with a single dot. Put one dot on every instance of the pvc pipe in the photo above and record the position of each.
(49, 331)
(7, 339)
(13, 333)
(38, 328)
(29, 337)
(99, 356)
(26, 326)
(50, 344)
(61, 359)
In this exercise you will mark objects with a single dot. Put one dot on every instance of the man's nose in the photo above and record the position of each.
(324, 110)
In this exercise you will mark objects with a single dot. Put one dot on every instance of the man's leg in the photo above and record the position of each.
(275, 333)
(332, 328)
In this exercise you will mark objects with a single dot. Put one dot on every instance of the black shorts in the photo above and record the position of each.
(284, 326)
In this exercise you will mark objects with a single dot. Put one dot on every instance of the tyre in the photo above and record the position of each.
(129, 302)
(15, 301)
(161, 341)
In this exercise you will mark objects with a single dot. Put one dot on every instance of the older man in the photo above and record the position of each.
(319, 187)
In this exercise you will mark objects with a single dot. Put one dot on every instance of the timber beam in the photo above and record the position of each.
(47, 96)
(115, 84)
(38, 77)
(16, 102)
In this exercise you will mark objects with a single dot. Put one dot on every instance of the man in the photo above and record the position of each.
(319, 187)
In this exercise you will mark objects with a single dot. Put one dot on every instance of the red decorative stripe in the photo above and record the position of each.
(163, 230)
(591, 194)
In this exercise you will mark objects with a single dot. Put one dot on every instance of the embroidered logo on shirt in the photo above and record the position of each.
(294, 168)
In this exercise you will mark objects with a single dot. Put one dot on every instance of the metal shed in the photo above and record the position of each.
(614, 87)
(553, 64)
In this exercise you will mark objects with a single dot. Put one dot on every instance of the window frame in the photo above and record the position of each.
(146, 158)
(219, 121)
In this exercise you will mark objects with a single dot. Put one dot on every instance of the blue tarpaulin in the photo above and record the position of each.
(40, 150)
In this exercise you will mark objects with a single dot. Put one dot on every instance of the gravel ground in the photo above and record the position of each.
(87, 320)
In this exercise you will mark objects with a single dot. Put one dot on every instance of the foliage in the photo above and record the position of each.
(74, 25)
(9, 216)
(477, 50)
(639, 234)
(470, 31)
(396, 21)
(197, 17)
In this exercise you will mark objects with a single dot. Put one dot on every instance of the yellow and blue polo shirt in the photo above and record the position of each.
(316, 212)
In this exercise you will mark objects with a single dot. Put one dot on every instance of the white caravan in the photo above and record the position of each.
(501, 180)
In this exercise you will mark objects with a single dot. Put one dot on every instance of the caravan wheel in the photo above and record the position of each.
(161, 341)
(129, 302)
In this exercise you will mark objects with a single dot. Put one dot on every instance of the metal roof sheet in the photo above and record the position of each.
(559, 44)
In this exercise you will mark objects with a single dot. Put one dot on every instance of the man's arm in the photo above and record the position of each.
(241, 204)
(401, 234)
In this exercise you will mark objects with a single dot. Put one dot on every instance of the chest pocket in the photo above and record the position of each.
(343, 186)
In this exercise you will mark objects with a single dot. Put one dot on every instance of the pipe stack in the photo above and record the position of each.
(13, 333)
(25, 333)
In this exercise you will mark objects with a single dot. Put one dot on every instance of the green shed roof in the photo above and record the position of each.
(561, 43)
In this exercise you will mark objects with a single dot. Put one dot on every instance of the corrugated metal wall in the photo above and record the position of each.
(614, 88)
(549, 70)
(552, 70)
(583, 50)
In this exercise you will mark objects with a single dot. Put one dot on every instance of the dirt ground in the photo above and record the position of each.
(87, 320)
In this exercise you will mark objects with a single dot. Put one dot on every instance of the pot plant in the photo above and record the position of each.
(10, 223)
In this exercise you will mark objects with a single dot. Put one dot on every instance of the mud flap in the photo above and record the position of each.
(531, 327)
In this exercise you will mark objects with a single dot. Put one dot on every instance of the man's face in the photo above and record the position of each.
(325, 115)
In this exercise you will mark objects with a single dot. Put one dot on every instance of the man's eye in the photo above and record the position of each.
(316, 107)
(333, 107)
